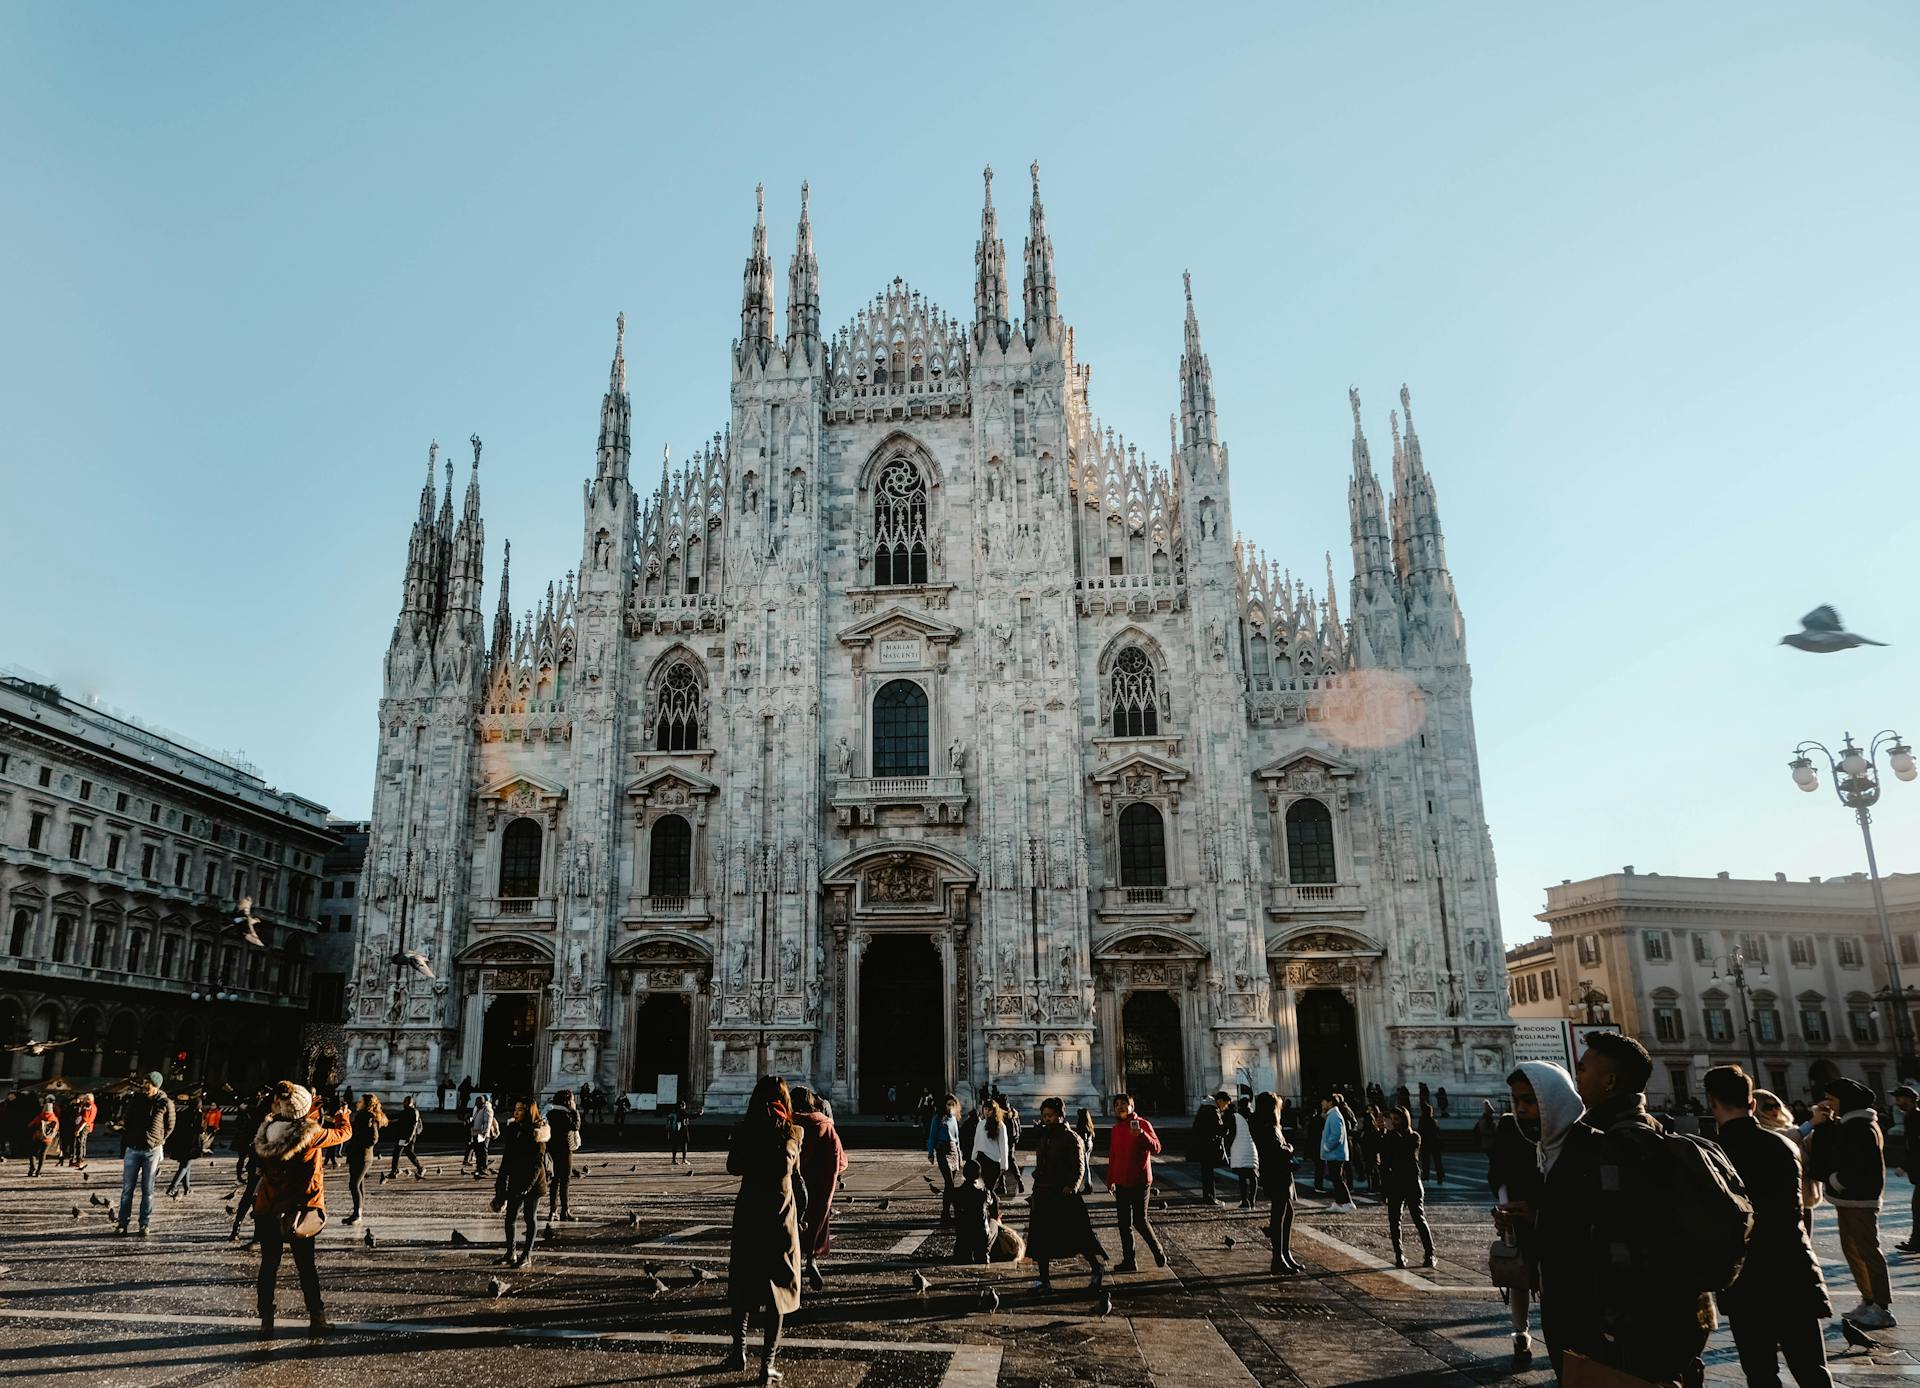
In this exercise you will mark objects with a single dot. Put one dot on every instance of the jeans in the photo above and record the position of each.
(526, 1206)
(139, 1164)
(273, 1235)
(1131, 1204)
(477, 1149)
(944, 1154)
(1860, 1243)
(79, 1155)
(1762, 1338)
(1414, 1201)
(357, 1177)
(1280, 1224)
(404, 1150)
(36, 1158)
(182, 1177)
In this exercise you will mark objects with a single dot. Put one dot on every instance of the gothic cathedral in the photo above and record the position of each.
(918, 732)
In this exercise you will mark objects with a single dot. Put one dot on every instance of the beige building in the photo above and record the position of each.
(1656, 955)
(1534, 988)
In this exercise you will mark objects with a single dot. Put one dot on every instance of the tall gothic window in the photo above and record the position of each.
(520, 859)
(22, 929)
(900, 730)
(677, 717)
(1136, 706)
(899, 525)
(1143, 847)
(670, 857)
(1310, 843)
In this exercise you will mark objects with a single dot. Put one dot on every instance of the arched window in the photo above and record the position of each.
(21, 932)
(677, 716)
(1310, 843)
(670, 857)
(62, 938)
(1143, 847)
(1136, 705)
(899, 524)
(1259, 657)
(520, 859)
(136, 950)
(900, 730)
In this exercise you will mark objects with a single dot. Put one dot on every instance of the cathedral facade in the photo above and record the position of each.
(918, 731)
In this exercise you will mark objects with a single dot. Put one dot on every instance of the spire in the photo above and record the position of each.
(990, 278)
(1333, 597)
(616, 410)
(803, 292)
(1425, 546)
(756, 292)
(1402, 527)
(1199, 424)
(417, 591)
(1042, 294)
(503, 611)
(1367, 514)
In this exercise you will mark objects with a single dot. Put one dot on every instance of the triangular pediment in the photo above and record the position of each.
(1307, 761)
(1139, 764)
(898, 622)
(669, 779)
(524, 787)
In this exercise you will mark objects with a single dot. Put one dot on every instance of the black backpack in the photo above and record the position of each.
(1704, 1202)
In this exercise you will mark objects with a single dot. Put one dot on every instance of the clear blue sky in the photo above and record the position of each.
(1647, 269)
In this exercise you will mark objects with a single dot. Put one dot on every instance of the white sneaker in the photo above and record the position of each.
(1865, 1308)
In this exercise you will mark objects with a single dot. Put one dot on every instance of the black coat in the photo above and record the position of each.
(1780, 1277)
(1399, 1162)
(1514, 1162)
(1276, 1162)
(1203, 1141)
(522, 1170)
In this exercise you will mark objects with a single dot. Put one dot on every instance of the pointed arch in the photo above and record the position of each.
(1134, 685)
(676, 710)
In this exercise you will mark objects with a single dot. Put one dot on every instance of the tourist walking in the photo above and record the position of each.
(81, 1114)
(1773, 1114)
(1057, 1224)
(1484, 1126)
(1243, 1157)
(1432, 1158)
(522, 1176)
(185, 1145)
(1088, 1132)
(1310, 1141)
(679, 1130)
(943, 1150)
(1514, 1177)
(1372, 1127)
(1203, 1146)
(290, 1208)
(1848, 1158)
(1131, 1148)
(1401, 1183)
(1333, 1152)
(763, 1261)
(563, 1126)
(822, 1159)
(1276, 1178)
(482, 1129)
(146, 1122)
(992, 1148)
(367, 1122)
(466, 1096)
(1903, 1156)
(43, 1136)
(407, 1125)
(976, 1216)
(1776, 1306)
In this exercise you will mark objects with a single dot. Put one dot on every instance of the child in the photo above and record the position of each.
(976, 1217)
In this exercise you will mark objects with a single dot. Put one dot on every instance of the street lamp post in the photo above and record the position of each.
(1856, 781)
(1737, 974)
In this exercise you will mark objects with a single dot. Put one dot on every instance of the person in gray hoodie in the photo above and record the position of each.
(1848, 1155)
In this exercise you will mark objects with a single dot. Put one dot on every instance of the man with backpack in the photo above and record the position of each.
(1848, 1158)
(1637, 1228)
(1777, 1304)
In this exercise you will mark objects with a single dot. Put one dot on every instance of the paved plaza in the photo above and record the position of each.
(81, 1306)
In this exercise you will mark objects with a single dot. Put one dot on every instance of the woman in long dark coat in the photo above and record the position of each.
(522, 1180)
(822, 1159)
(763, 1268)
(1058, 1226)
(1276, 1178)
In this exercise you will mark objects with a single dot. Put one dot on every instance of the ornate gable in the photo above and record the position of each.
(1141, 774)
(522, 794)
(670, 785)
(1308, 771)
(900, 636)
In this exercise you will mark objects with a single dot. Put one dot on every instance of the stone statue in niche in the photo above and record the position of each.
(790, 961)
(1050, 643)
(797, 492)
(1063, 971)
(842, 755)
(602, 550)
(957, 755)
(935, 549)
(1009, 965)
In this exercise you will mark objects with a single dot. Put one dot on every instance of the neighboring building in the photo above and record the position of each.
(1652, 953)
(332, 964)
(123, 854)
(1534, 990)
(919, 730)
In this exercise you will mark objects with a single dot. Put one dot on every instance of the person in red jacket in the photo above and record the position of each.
(1132, 1148)
(80, 1115)
(291, 1202)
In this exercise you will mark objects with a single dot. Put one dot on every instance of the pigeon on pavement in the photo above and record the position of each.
(1229, 1240)
(882, 1203)
(633, 1219)
(989, 1299)
(1104, 1306)
(367, 1238)
(921, 1286)
(652, 1286)
(498, 1287)
(1855, 1336)
(96, 1200)
(1822, 633)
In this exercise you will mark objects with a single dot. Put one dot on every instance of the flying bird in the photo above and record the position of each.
(244, 923)
(652, 1286)
(921, 1286)
(41, 1047)
(367, 1238)
(700, 1276)
(497, 1286)
(415, 960)
(1822, 633)
(1857, 1337)
(1104, 1306)
(460, 1240)
(989, 1300)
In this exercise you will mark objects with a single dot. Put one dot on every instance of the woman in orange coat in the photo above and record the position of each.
(290, 1206)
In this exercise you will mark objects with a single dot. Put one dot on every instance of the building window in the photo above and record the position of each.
(1678, 1077)
(346, 921)
(1766, 1024)
(520, 859)
(1800, 949)
(1813, 1024)
(1702, 949)
(114, 842)
(1910, 949)
(147, 852)
(346, 888)
(46, 775)
(1533, 987)
(677, 719)
(36, 830)
(1654, 942)
(169, 951)
(153, 814)
(1848, 950)
(1136, 703)
(62, 938)
(670, 857)
(120, 802)
(1589, 949)
(180, 866)
(22, 931)
(136, 946)
(1719, 1022)
(1310, 843)
(77, 842)
(239, 883)
(1864, 1027)
(1546, 984)
(1755, 948)
(1667, 1025)
(102, 941)
(1777, 1075)
(326, 891)
(899, 525)
(198, 968)
(900, 730)
(212, 876)
(86, 790)
(1143, 847)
